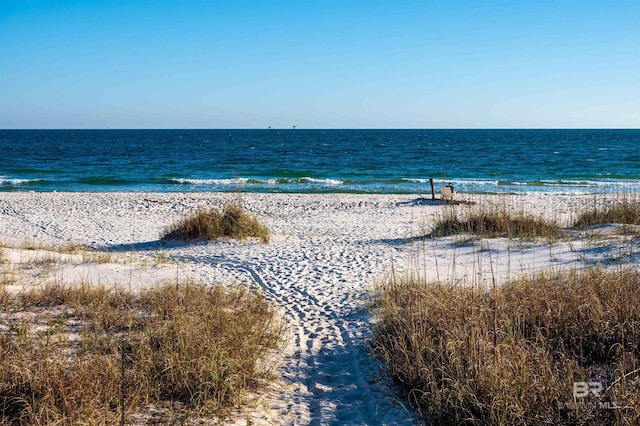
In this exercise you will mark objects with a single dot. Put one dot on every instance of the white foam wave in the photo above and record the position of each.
(416, 180)
(326, 182)
(189, 181)
(471, 182)
(591, 183)
(13, 181)
(242, 181)
(472, 185)
(454, 181)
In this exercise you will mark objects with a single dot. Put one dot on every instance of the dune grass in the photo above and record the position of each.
(511, 356)
(7, 270)
(494, 222)
(91, 355)
(625, 212)
(234, 222)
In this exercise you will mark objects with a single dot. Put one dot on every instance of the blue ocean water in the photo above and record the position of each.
(366, 161)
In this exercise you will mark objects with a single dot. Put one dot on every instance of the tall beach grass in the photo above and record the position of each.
(494, 222)
(511, 356)
(624, 211)
(233, 221)
(91, 355)
(520, 352)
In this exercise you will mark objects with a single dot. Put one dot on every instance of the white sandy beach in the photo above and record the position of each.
(326, 253)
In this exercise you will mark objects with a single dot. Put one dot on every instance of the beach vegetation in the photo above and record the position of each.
(92, 355)
(102, 257)
(56, 254)
(494, 222)
(7, 269)
(551, 348)
(233, 222)
(8, 276)
(625, 212)
(161, 257)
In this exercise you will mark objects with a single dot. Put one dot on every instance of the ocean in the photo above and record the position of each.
(320, 161)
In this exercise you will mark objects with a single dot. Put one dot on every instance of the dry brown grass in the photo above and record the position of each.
(233, 222)
(511, 356)
(624, 211)
(494, 222)
(89, 355)
(7, 269)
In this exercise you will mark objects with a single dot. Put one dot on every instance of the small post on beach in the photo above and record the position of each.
(433, 192)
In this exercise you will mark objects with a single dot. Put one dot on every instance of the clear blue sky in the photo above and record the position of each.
(319, 64)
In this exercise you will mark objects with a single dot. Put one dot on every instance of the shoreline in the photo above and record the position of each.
(326, 253)
(331, 186)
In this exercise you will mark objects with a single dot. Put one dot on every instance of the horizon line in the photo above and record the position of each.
(316, 128)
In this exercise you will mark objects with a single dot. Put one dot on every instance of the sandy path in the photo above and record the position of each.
(326, 251)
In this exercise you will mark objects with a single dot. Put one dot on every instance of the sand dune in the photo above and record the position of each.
(326, 252)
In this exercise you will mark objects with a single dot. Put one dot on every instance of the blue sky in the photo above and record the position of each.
(319, 64)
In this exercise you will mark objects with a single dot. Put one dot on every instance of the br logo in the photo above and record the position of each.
(583, 389)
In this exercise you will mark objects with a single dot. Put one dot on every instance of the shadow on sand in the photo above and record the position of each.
(422, 201)
(145, 245)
